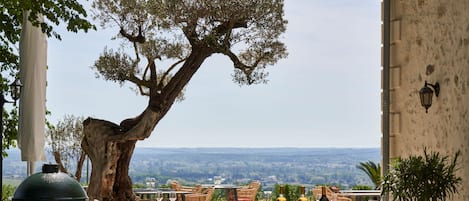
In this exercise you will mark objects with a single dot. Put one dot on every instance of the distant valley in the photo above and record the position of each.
(307, 166)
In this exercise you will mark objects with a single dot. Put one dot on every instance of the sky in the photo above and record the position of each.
(325, 94)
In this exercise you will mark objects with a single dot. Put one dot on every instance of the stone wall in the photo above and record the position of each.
(430, 42)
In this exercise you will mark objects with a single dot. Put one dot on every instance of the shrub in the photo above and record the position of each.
(291, 192)
(423, 178)
(7, 192)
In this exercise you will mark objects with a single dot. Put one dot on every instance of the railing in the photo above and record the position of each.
(362, 195)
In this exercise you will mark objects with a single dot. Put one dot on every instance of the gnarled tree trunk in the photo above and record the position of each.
(110, 149)
(103, 154)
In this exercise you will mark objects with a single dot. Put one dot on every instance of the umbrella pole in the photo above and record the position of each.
(30, 168)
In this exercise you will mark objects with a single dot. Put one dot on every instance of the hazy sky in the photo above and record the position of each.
(325, 94)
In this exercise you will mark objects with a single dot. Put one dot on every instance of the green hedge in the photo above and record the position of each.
(7, 192)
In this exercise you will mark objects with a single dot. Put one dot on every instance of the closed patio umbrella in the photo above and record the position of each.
(32, 108)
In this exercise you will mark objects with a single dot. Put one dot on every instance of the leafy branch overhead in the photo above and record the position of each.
(70, 12)
(247, 32)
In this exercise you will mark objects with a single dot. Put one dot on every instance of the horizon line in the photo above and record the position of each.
(259, 147)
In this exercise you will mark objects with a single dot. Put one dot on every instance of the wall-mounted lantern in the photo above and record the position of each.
(426, 94)
(15, 89)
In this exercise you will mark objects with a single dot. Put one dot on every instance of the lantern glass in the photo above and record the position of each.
(15, 89)
(426, 95)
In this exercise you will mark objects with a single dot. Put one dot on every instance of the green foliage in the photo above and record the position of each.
(423, 178)
(55, 11)
(362, 187)
(7, 192)
(219, 195)
(373, 171)
(10, 133)
(291, 191)
(11, 16)
(138, 185)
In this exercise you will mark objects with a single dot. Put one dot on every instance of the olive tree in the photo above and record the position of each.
(64, 141)
(183, 33)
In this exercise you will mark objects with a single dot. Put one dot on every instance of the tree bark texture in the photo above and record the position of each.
(103, 155)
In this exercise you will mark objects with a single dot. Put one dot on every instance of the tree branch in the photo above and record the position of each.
(224, 31)
(145, 72)
(136, 52)
(132, 78)
(226, 27)
(153, 78)
(185, 73)
(166, 73)
(140, 89)
(247, 70)
(153, 73)
(140, 84)
(237, 63)
(136, 39)
(80, 162)
(59, 162)
(190, 32)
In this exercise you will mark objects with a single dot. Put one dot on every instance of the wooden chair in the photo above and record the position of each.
(249, 192)
(192, 189)
(341, 198)
(206, 195)
(329, 194)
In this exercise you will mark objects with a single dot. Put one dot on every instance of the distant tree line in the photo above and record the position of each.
(302, 168)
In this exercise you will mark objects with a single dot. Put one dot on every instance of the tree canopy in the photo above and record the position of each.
(11, 16)
(246, 31)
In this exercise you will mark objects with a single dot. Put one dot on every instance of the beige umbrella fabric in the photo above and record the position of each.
(33, 65)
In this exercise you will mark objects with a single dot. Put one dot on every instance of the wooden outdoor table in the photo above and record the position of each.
(151, 193)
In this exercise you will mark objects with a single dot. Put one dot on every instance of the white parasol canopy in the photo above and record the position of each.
(32, 110)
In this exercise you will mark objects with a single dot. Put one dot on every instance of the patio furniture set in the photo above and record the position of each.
(179, 192)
